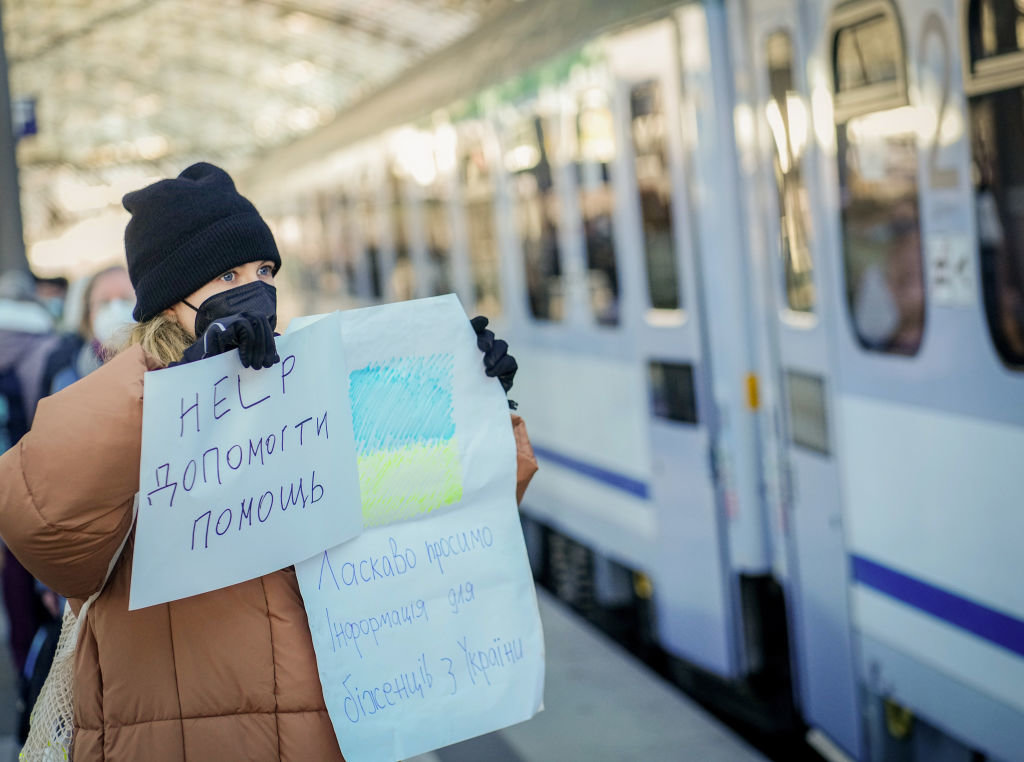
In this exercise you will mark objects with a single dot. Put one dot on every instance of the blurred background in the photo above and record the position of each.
(761, 263)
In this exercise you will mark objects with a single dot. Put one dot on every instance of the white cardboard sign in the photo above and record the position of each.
(425, 626)
(243, 471)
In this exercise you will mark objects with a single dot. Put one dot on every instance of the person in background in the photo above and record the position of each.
(26, 341)
(230, 674)
(39, 657)
(107, 305)
(51, 293)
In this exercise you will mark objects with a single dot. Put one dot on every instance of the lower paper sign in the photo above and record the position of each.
(425, 627)
(426, 636)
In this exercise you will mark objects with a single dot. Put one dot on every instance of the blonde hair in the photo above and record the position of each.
(162, 337)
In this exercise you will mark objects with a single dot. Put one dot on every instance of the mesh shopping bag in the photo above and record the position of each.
(51, 724)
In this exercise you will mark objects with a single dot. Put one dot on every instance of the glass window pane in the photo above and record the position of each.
(788, 122)
(881, 229)
(595, 140)
(808, 419)
(997, 148)
(673, 395)
(996, 28)
(527, 158)
(478, 194)
(654, 184)
(867, 53)
(403, 278)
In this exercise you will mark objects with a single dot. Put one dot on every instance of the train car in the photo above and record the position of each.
(760, 262)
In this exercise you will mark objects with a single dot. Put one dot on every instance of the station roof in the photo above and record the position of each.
(129, 90)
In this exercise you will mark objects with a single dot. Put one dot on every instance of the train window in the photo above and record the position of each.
(867, 53)
(788, 122)
(808, 422)
(876, 150)
(996, 28)
(403, 280)
(528, 160)
(881, 230)
(673, 395)
(654, 184)
(478, 193)
(595, 141)
(997, 141)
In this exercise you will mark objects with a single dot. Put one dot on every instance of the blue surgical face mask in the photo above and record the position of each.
(257, 297)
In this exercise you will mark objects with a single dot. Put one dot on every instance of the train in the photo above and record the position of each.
(756, 260)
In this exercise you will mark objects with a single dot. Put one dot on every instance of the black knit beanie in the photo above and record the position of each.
(185, 232)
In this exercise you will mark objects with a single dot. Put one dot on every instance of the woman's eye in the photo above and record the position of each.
(265, 270)
(227, 277)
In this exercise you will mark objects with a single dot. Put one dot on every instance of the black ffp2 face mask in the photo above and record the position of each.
(258, 297)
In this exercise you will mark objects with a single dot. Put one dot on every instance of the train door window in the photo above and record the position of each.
(867, 52)
(403, 280)
(528, 159)
(876, 148)
(477, 182)
(595, 144)
(649, 129)
(996, 106)
(788, 123)
(808, 421)
(673, 393)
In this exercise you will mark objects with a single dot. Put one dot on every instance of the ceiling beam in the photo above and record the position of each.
(376, 30)
(57, 41)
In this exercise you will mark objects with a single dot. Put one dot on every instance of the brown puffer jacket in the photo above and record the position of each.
(222, 676)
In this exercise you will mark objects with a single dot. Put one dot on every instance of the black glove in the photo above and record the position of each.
(498, 363)
(250, 332)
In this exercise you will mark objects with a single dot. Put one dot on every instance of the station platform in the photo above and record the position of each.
(602, 705)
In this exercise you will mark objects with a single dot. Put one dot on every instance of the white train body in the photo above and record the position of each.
(762, 265)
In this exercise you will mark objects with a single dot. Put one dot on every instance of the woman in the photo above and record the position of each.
(106, 309)
(230, 674)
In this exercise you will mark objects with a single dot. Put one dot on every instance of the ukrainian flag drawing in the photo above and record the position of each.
(404, 424)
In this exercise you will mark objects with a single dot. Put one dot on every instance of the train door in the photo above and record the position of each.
(690, 566)
(792, 271)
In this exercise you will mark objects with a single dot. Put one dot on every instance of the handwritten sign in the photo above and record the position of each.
(243, 471)
(425, 626)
